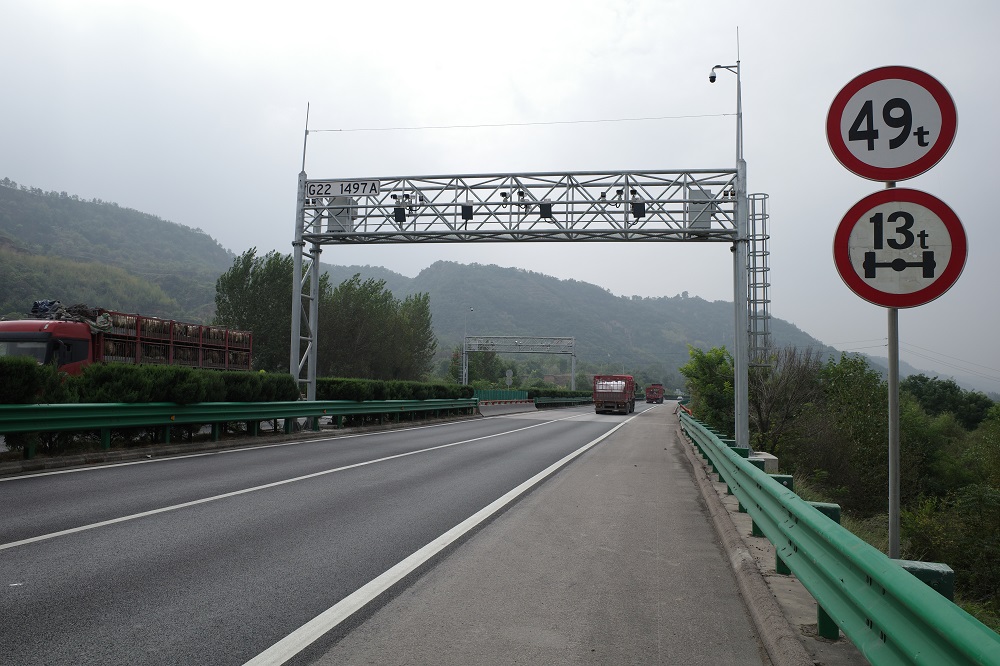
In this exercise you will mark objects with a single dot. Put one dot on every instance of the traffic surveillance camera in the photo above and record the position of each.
(711, 76)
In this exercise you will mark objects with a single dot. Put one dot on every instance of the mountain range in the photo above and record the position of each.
(57, 246)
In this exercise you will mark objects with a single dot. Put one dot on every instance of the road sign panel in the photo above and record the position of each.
(900, 248)
(891, 123)
(335, 188)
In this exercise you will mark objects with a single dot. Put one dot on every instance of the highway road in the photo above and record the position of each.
(214, 558)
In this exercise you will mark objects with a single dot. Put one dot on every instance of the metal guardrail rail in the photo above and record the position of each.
(108, 416)
(889, 614)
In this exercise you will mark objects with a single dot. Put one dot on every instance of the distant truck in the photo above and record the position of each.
(654, 393)
(614, 394)
(75, 337)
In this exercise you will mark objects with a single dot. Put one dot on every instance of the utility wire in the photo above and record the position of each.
(551, 122)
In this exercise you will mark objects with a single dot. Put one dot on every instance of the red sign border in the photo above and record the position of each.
(842, 259)
(949, 124)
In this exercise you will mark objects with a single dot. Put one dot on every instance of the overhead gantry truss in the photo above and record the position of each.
(693, 205)
(505, 344)
(689, 205)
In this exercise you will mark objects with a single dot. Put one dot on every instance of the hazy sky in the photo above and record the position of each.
(195, 111)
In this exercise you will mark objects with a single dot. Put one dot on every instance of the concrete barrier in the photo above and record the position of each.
(498, 407)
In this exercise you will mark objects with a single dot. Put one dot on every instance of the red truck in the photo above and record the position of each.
(654, 393)
(79, 336)
(614, 394)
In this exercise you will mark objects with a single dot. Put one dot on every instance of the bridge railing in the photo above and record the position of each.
(889, 614)
(107, 416)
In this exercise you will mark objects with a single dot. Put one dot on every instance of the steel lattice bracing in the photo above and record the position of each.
(585, 206)
(518, 345)
(523, 344)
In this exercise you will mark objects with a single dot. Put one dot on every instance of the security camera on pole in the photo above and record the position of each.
(897, 248)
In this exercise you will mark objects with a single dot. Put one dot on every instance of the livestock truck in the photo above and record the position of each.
(654, 393)
(75, 337)
(614, 394)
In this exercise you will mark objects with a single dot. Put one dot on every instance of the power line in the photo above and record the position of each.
(954, 358)
(551, 122)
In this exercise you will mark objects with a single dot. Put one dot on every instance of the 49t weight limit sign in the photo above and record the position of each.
(891, 123)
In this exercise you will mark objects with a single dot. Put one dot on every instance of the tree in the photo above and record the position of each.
(710, 381)
(779, 392)
(365, 332)
(938, 396)
(842, 438)
(255, 294)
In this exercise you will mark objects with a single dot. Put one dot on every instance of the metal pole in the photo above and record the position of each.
(741, 361)
(572, 370)
(294, 366)
(893, 427)
(894, 433)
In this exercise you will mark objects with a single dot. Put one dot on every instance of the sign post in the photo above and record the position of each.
(896, 248)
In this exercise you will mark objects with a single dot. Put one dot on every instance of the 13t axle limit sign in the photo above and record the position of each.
(900, 248)
(891, 123)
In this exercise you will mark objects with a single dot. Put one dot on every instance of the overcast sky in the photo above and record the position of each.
(195, 111)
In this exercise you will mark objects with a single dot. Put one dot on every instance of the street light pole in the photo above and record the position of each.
(741, 344)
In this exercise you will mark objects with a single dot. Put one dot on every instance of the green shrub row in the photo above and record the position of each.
(335, 388)
(22, 381)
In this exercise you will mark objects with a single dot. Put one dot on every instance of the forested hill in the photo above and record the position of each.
(56, 245)
(609, 329)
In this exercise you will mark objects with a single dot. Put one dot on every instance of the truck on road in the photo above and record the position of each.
(75, 337)
(654, 393)
(614, 394)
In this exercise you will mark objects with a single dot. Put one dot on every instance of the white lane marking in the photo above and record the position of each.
(301, 638)
(242, 449)
(235, 493)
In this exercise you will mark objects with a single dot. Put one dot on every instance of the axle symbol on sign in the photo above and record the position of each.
(900, 264)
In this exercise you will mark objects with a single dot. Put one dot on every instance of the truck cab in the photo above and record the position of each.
(66, 343)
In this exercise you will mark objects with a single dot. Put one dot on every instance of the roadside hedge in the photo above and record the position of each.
(336, 388)
(23, 381)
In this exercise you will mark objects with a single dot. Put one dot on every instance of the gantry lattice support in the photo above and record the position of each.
(518, 345)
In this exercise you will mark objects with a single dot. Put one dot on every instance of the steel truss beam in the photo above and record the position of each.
(518, 345)
(686, 205)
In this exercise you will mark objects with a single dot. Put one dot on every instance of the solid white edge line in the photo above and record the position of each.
(235, 493)
(301, 638)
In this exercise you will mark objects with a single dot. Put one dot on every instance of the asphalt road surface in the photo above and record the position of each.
(226, 557)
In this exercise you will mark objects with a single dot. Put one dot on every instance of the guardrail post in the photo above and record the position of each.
(784, 479)
(105, 439)
(939, 577)
(759, 464)
(825, 625)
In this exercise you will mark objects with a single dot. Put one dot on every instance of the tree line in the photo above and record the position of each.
(363, 330)
(826, 421)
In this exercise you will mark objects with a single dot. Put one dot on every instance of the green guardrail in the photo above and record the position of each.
(108, 416)
(889, 614)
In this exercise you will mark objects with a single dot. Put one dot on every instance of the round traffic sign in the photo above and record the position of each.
(891, 123)
(900, 248)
